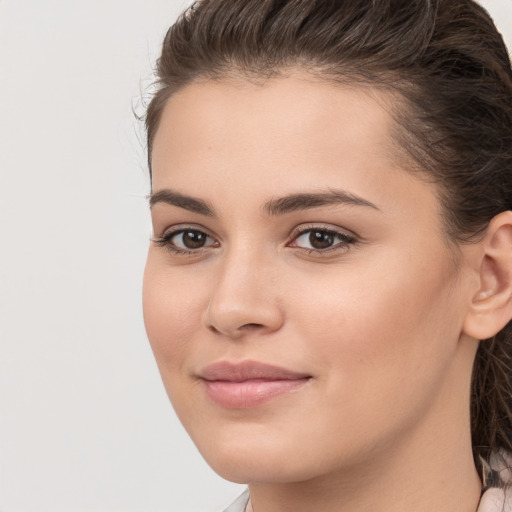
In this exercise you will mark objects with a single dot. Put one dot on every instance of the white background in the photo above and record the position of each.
(84, 421)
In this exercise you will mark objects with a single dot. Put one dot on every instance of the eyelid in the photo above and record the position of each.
(320, 226)
(164, 239)
(176, 228)
(348, 239)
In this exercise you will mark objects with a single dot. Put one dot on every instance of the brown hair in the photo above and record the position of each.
(453, 73)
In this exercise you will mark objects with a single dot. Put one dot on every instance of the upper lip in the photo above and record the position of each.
(248, 370)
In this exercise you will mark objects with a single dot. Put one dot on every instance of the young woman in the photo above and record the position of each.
(328, 291)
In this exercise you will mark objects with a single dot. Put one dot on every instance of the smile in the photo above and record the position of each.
(248, 384)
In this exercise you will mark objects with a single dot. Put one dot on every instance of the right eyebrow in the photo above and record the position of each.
(192, 204)
(308, 200)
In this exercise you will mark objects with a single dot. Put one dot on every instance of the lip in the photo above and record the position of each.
(249, 383)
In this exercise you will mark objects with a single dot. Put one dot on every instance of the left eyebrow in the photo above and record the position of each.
(306, 201)
(189, 203)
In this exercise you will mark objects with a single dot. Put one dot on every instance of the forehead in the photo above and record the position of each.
(282, 136)
(279, 116)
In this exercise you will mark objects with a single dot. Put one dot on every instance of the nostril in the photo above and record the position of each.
(251, 326)
(213, 329)
(239, 330)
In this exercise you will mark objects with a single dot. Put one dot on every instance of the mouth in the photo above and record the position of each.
(249, 383)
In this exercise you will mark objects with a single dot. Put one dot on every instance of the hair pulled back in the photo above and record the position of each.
(453, 76)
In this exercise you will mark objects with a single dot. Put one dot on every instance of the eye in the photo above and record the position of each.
(186, 241)
(190, 239)
(322, 240)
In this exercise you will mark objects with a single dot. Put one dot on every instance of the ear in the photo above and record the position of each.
(491, 306)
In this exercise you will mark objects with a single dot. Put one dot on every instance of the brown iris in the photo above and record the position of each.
(193, 239)
(321, 239)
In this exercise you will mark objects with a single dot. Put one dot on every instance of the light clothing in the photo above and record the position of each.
(497, 496)
(495, 500)
(240, 503)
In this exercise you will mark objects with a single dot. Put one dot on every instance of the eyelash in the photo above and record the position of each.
(166, 241)
(346, 240)
(344, 244)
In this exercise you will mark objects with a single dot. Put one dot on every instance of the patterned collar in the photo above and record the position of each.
(497, 493)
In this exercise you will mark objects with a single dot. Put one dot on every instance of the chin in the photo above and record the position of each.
(242, 470)
(261, 458)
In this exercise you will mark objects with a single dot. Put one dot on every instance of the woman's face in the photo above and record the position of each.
(303, 306)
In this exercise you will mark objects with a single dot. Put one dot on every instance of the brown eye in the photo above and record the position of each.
(321, 239)
(192, 239)
(188, 240)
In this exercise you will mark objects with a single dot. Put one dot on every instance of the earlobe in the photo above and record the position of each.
(491, 306)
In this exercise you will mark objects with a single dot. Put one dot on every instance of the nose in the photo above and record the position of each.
(244, 299)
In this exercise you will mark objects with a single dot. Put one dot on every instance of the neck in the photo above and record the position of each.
(429, 467)
(444, 481)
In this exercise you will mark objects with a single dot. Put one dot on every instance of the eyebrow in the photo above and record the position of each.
(279, 206)
(306, 201)
(192, 204)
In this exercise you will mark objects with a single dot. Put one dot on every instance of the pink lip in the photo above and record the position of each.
(248, 384)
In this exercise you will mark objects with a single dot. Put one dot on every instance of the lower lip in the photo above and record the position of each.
(249, 393)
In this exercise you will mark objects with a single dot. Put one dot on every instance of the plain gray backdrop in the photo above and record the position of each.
(85, 425)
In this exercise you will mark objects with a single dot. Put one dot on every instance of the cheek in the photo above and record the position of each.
(390, 326)
(400, 292)
(172, 306)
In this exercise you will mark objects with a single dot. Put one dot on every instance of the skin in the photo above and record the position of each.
(383, 324)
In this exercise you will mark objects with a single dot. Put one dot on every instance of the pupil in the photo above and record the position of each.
(320, 239)
(193, 239)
